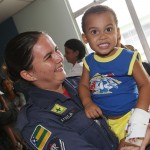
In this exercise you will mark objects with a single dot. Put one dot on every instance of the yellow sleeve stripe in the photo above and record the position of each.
(136, 55)
(86, 65)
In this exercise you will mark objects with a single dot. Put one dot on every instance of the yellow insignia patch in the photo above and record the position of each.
(58, 109)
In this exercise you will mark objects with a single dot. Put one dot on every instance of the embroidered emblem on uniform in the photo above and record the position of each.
(58, 109)
(40, 136)
(56, 144)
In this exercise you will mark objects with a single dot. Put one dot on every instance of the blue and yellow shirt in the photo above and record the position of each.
(112, 85)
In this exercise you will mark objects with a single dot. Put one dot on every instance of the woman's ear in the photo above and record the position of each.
(84, 38)
(27, 75)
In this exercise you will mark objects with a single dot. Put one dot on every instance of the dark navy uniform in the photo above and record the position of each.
(52, 121)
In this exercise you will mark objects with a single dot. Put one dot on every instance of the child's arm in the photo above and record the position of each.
(143, 81)
(140, 117)
(91, 109)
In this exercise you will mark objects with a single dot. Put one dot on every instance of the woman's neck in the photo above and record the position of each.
(51, 87)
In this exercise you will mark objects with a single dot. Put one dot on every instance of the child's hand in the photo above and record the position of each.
(93, 111)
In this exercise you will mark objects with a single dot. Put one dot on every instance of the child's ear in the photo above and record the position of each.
(118, 34)
(27, 75)
(118, 38)
(84, 38)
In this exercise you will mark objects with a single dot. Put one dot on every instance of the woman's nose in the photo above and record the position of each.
(58, 57)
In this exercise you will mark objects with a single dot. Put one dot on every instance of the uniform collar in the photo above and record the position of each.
(44, 98)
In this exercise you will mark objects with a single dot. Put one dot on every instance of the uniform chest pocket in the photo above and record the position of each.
(76, 120)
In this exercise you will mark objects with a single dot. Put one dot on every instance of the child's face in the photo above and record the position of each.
(101, 33)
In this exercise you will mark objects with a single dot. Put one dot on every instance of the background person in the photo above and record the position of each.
(12, 97)
(9, 139)
(74, 53)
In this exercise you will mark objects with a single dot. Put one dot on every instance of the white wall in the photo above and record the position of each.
(51, 16)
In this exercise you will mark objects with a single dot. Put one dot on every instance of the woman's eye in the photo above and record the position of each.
(49, 56)
(56, 49)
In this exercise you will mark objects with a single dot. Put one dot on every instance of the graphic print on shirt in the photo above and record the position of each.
(102, 84)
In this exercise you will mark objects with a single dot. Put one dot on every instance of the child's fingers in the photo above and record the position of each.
(99, 112)
(92, 114)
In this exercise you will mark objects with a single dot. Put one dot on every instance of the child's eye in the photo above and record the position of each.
(109, 29)
(94, 32)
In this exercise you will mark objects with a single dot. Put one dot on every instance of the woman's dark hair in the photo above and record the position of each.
(76, 45)
(97, 9)
(18, 53)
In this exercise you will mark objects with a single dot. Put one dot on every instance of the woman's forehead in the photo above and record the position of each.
(44, 42)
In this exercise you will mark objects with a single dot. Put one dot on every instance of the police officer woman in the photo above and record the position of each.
(53, 117)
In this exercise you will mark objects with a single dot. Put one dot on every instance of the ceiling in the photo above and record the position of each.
(10, 7)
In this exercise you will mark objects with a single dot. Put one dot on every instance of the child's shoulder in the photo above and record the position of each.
(89, 56)
(128, 51)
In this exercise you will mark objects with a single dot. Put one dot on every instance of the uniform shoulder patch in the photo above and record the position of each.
(56, 144)
(40, 136)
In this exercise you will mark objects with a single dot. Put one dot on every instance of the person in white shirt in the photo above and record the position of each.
(75, 51)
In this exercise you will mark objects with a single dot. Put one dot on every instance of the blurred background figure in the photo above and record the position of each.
(75, 51)
(11, 102)
(12, 97)
(9, 137)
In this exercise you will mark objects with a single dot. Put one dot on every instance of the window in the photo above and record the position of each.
(78, 4)
(134, 26)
